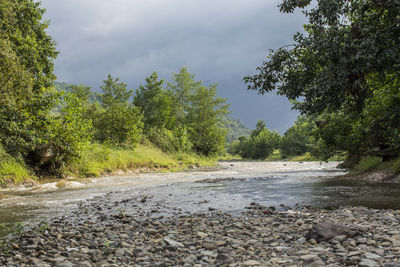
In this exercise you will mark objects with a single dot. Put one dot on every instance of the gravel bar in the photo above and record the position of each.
(258, 236)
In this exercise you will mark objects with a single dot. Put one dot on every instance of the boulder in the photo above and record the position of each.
(46, 152)
(327, 230)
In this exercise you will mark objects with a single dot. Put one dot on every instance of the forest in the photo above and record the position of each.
(342, 73)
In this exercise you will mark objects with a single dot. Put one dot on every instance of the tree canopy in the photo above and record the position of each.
(26, 76)
(340, 68)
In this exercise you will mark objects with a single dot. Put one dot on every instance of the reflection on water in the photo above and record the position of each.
(270, 183)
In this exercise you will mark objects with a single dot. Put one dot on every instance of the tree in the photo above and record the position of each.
(119, 122)
(82, 92)
(349, 52)
(26, 75)
(181, 88)
(260, 144)
(205, 116)
(114, 92)
(298, 139)
(346, 41)
(154, 103)
(70, 129)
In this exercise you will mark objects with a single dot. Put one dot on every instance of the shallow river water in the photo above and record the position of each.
(231, 188)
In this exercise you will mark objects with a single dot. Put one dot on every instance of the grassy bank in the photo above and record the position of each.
(12, 171)
(374, 164)
(101, 160)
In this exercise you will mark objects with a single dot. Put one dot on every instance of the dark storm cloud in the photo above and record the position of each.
(219, 40)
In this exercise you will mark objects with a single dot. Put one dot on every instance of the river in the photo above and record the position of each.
(230, 188)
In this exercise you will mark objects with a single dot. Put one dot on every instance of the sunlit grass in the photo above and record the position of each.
(304, 157)
(366, 164)
(229, 157)
(392, 165)
(11, 170)
(100, 159)
(275, 156)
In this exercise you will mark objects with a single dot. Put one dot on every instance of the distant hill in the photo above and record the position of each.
(235, 128)
(62, 86)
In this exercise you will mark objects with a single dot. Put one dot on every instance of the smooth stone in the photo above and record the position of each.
(367, 263)
(190, 259)
(172, 242)
(209, 246)
(309, 258)
(318, 263)
(326, 231)
(251, 263)
(372, 256)
(65, 264)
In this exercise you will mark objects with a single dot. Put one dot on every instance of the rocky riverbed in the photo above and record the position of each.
(102, 233)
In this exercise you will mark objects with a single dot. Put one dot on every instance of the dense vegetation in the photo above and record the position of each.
(259, 145)
(344, 70)
(47, 130)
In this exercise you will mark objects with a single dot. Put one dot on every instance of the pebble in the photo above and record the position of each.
(252, 238)
(367, 263)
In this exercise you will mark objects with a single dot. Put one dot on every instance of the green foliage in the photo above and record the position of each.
(298, 139)
(119, 123)
(26, 74)
(11, 169)
(155, 104)
(182, 86)
(345, 69)
(366, 164)
(204, 119)
(328, 66)
(261, 143)
(82, 92)
(170, 140)
(70, 129)
(199, 114)
(101, 159)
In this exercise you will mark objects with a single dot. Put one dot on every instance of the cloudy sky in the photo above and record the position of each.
(220, 41)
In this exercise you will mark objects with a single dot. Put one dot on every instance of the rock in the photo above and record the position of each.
(309, 258)
(46, 152)
(65, 264)
(340, 238)
(221, 258)
(209, 246)
(326, 231)
(317, 263)
(151, 231)
(201, 235)
(251, 263)
(190, 259)
(372, 256)
(367, 263)
(71, 249)
(172, 242)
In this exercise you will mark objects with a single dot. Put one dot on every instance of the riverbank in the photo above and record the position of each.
(259, 236)
(99, 160)
(372, 169)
